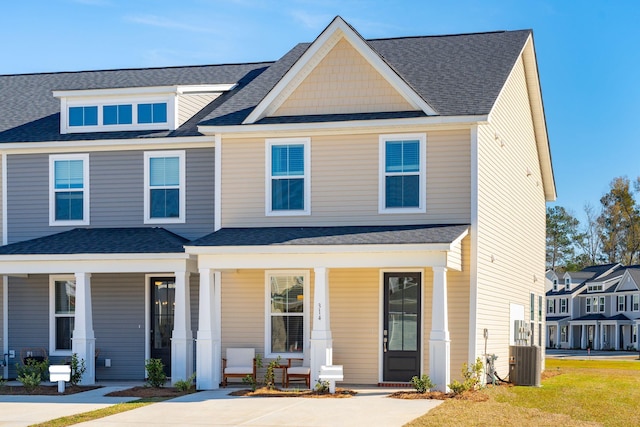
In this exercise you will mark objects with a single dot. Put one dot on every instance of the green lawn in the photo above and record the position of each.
(585, 392)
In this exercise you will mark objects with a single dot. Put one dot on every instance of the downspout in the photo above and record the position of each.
(5, 279)
(473, 273)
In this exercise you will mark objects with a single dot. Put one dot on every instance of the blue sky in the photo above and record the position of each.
(588, 55)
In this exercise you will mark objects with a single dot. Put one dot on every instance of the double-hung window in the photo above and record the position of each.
(563, 305)
(164, 182)
(402, 173)
(288, 176)
(621, 303)
(636, 302)
(601, 303)
(69, 189)
(588, 307)
(286, 326)
(62, 308)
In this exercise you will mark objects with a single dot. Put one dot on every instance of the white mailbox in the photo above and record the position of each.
(60, 374)
(331, 373)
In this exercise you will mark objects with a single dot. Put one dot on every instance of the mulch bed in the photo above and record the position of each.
(45, 390)
(473, 396)
(150, 392)
(265, 392)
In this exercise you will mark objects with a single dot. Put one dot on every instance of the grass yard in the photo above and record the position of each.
(583, 393)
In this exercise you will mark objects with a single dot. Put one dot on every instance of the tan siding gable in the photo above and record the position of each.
(343, 82)
(190, 104)
(511, 218)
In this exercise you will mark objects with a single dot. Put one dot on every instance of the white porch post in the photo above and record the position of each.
(208, 355)
(616, 329)
(583, 341)
(558, 334)
(321, 341)
(84, 340)
(596, 337)
(439, 342)
(570, 337)
(181, 337)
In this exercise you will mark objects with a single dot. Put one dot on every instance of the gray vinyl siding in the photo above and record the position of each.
(116, 188)
(118, 321)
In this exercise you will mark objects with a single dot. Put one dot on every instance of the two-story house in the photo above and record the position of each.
(596, 308)
(377, 204)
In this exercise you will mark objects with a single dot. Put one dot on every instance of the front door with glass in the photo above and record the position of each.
(163, 291)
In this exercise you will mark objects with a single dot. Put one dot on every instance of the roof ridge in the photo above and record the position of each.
(449, 35)
(45, 73)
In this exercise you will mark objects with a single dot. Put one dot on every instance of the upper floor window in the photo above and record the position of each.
(551, 306)
(288, 177)
(152, 113)
(636, 302)
(164, 182)
(563, 305)
(62, 307)
(601, 304)
(69, 189)
(621, 303)
(540, 308)
(402, 173)
(567, 283)
(83, 116)
(595, 287)
(287, 313)
(117, 114)
(588, 306)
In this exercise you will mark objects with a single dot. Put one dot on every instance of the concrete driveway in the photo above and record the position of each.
(370, 407)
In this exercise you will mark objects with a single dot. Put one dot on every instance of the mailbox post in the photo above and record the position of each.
(331, 373)
(60, 374)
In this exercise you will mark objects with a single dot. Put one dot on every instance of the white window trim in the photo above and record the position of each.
(635, 302)
(52, 315)
(85, 189)
(305, 315)
(307, 176)
(422, 203)
(624, 303)
(148, 155)
(65, 104)
(566, 303)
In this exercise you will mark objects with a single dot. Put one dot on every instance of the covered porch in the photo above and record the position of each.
(59, 273)
(314, 282)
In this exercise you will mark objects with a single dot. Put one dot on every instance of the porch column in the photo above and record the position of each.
(570, 337)
(616, 329)
(84, 341)
(583, 341)
(596, 336)
(181, 337)
(439, 342)
(208, 356)
(558, 334)
(321, 341)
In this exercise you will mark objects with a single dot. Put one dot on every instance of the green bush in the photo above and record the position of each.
(270, 376)
(422, 385)
(32, 373)
(249, 380)
(78, 369)
(155, 373)
(185, 385)
(472, 378)
(322, 386)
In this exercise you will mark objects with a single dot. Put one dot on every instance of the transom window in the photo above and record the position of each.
(288, 177)
(62, 295)
(69, 189)
(287, 308)
(402, 173)
(164, 187)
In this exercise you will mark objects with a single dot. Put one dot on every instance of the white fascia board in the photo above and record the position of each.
(407, 259)
(336, 30)
(147, 90)
(107, 145)
(95, 263)
(347, 126)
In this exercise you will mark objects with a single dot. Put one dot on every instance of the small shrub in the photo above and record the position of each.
(249, 380)
(422, 385)
(155, 373)
(270, 376)
(472, 378)
(32, 373)
(78, 369)
(185, 385)
(322, 386)
(3, 382)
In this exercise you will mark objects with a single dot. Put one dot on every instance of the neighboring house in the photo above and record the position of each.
(596, 308)
(376, 204)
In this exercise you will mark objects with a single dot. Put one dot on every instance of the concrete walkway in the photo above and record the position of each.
(591, 355)
(370, 407)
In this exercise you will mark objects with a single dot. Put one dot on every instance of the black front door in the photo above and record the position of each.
(163, 291)
(401, 329)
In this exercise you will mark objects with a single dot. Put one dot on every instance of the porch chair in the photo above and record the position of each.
(297, 373)
(239, 363)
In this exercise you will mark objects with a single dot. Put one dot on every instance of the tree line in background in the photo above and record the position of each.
(611, 233)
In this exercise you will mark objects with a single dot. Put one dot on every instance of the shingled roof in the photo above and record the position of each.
(457, 75)
(346, 235)
(140, 240)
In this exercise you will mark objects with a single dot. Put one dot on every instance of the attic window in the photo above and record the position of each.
(596, 287)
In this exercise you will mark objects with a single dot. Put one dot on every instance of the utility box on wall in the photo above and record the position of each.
(525, 364)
